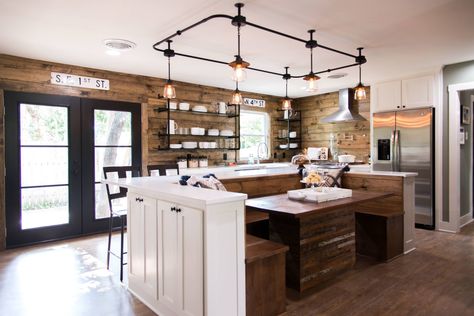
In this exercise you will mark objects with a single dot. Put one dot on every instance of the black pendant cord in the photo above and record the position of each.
(360, 74)
(169, 69)
(311, 60)
(238, 41)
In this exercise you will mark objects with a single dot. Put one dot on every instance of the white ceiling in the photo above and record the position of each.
(401, 37)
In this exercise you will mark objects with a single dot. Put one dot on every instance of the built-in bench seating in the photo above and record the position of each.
(265, 277)
(379, 233)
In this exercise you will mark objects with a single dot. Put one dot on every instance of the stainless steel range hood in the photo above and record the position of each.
(347, 111)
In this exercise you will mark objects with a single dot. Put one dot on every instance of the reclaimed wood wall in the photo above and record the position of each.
(28, 75)
(351, 138)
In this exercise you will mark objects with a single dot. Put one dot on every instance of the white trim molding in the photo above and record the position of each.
(454, 110)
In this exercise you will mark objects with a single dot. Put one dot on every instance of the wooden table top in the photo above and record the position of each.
(282, 204)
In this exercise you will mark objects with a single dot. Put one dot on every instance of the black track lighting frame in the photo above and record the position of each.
(239, 20)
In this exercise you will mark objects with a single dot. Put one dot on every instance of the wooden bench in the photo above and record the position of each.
(257, 223)
(265, 277)
(379, 233)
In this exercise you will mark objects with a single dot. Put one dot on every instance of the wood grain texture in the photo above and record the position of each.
(321, 236)
(263, 186)
(264, 277)
(316, 134)
(436, 279)
(290, 208)
(33, 76)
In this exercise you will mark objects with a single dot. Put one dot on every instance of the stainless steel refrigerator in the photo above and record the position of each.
(403, 141)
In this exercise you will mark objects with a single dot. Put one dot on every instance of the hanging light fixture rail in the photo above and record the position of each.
(239, 21)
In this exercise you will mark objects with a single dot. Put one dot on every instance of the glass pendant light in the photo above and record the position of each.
(286, 103)
(311, 78)
(169, 91)
(236, 96)
(239, 65)
(359, 90)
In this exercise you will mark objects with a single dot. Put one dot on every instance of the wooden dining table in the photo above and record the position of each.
(320, 236)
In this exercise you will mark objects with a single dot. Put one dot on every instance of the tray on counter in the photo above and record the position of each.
(319, 194)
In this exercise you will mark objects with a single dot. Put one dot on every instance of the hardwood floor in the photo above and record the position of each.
(70, 278)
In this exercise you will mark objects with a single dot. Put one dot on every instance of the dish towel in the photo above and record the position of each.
(209, 181)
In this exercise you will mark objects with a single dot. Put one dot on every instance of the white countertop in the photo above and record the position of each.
(268, 169)
(167, 188)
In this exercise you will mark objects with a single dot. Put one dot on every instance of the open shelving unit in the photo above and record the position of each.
(292, 124)
(174, 113)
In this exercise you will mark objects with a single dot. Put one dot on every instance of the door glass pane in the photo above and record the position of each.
(44, 166)
(44, 206)
(43, 125)
(113, 147)
(111, 156)
(112, 128)
(47, 127)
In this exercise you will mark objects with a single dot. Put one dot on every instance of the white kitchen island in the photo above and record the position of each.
(186, 247)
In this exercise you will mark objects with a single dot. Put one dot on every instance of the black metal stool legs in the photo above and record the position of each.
(122, 231)
(110, 240)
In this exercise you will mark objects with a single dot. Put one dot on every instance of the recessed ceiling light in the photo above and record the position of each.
(115, 46)
(337, 75)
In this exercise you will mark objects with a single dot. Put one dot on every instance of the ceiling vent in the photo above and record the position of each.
(337, 75)
(119, 44)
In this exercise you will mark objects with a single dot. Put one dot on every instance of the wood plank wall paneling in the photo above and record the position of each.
(28, 75)
(316, 134)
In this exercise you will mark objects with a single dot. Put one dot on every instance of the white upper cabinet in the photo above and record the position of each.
(403, 94)
(387, 96)
(417, 92)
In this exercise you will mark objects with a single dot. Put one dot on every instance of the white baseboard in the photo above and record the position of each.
(466, 219)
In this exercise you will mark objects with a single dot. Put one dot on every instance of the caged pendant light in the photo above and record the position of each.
(169, 91)
(311, 78)
(239, 65)
(359, 90)
(286, 103)
(236, 96)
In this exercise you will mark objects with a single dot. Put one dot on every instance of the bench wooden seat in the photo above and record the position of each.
(265, 277)
(379, 233)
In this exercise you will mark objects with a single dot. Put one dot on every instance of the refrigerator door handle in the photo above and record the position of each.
(397, 150)
(392, 149)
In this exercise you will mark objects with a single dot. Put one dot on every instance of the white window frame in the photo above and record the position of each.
(267, 131)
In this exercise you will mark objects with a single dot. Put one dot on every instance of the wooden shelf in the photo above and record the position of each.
(195, 149)
(161, 110)
(288, 120)
(199, 136)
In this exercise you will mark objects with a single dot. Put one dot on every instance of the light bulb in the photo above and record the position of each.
(359, 92)
(236, 97)
(239, 74)
(286, 104)
(312, 85)
(168, 91)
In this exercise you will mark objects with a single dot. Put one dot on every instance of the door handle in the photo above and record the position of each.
(392, 150)
(397, 150)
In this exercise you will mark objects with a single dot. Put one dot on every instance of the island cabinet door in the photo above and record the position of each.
(142, 246)
(180, 256)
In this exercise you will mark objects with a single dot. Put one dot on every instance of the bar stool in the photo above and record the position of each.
(162, 169)
(121, 172)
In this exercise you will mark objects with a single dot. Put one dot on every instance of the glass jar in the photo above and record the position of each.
(182, 162)
(193, 162)
(203, 162)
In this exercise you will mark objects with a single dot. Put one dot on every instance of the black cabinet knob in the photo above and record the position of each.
(178, 210)
(173, 209)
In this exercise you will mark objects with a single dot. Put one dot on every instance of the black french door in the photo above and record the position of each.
(55, 149)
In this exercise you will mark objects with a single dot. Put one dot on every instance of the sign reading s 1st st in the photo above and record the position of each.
(79, 81)
(254, 102)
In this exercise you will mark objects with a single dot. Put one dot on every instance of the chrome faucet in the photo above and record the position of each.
(258, 151)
